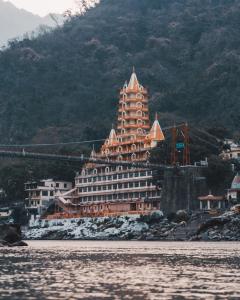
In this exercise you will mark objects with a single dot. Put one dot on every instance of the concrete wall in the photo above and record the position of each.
(181, 187)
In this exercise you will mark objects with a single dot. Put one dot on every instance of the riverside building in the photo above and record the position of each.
(40, 195)
(103, 190)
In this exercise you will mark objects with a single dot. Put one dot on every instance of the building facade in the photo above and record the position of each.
(102, 190)
(41, 194)
(233, 194)
(211, 202)
(231, 150)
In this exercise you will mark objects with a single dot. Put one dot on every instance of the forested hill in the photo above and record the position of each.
(64, 84)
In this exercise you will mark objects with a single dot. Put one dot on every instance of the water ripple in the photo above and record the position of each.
(120, 270)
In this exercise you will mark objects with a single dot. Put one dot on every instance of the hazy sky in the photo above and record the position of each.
(43, 7)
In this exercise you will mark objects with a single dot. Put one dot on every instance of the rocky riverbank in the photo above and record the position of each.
(180, 226)
(11, 235)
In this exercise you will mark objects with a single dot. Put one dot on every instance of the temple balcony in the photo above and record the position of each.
(133, 117)
(129, 151)
(118, 191)
(134, 108)
(146, 126)
(135, 90)
(127, 100)
(128, 142)
(128, 179)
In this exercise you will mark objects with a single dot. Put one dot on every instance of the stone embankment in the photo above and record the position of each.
(11, 236)
(179, 226)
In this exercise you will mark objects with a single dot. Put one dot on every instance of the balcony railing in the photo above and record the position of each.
(133, 117)
(133, 108)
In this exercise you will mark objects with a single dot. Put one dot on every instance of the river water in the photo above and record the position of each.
(120, 270)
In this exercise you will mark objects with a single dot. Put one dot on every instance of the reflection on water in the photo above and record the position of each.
(120, 270)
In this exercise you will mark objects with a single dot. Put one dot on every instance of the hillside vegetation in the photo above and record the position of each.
(64, 85)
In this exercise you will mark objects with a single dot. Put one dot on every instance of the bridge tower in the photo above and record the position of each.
(180, 153)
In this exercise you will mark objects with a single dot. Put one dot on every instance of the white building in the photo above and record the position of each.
(231, 150)
(234, 192)
(42, 194)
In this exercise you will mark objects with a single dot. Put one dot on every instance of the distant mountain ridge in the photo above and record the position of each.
(15, 22)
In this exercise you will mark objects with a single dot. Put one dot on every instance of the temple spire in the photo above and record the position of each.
(156, 133)
(93, 153)
(133, 83)
(112, 136)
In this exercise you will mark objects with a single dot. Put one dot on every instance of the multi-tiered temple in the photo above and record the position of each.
(111, 190)
(133, 138)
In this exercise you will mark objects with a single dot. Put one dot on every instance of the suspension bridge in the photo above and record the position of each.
(21, 151)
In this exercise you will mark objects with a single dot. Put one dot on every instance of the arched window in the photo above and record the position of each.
(95, 171)
(119, 149)
(139, 104)
(124, 96)
(139, 122)
(140, 130)
(139, 113)
(123, 131)
(133, 156)
(147, 155)
(133, 137)
(139, 96)
(119, 168)
(107, 169)
(123, 114)
(134, 147)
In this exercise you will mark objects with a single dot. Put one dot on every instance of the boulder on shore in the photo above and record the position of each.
(11, 235)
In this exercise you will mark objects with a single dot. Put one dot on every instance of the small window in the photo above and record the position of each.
(57, 184)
